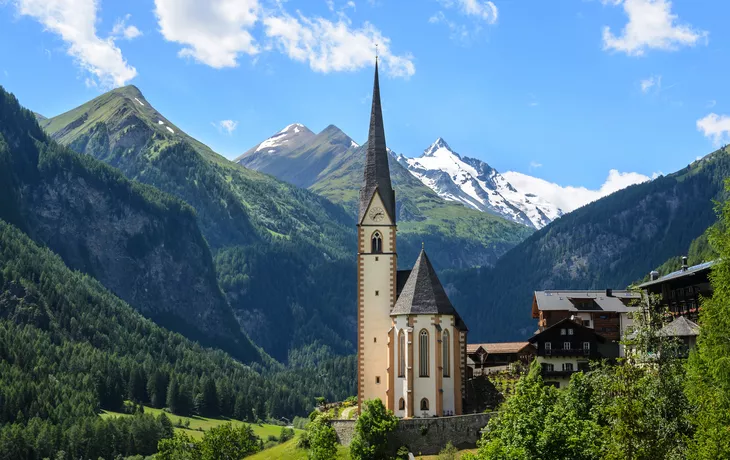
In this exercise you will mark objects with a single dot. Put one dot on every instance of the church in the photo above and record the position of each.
(411, 341)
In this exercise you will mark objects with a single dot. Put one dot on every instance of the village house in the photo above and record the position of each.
(566, 347)
(608, 312)
(485, 358)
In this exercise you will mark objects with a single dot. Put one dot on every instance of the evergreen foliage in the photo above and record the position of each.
(372, 428)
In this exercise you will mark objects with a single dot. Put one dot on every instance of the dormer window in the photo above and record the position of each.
(377, 243)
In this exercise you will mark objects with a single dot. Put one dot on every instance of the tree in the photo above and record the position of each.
(179, 447)
(225, 442)
(372, 429)
(708, 382)
(322, 439)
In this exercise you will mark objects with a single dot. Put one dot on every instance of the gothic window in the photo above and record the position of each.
(423, 353)
(377, 243)
(401, 354)
(446, 354)
(424, 404)
(402, 404)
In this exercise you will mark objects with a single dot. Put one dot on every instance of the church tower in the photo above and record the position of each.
(376, 265)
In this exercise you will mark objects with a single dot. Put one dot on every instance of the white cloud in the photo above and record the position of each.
(535, 164)
(651, 26)
(569, 198)
(649, 83)
(75, 22)
(712, 103)
(218, 32)
(122, 30)
(484, 10)
(334, 46)
(226, 125)
(716, 127)
(214, 32)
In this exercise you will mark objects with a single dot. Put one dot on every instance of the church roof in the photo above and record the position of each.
(377, 171)
(680, 327)
(423, 294)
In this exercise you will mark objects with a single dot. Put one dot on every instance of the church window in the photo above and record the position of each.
(424, 404)
(401, 354)
(446, 355)
(375, 340)
(377, 243)
(402, 404)
(377, 380)
(377, 293)
(423, 353)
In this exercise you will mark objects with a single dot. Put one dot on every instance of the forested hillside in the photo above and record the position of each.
(607, 244)
(62, 360)
(283, 255)
(142, 244)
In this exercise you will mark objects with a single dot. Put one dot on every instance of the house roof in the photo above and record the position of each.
(693, 270)
(423, 294)
(576, 301)
(497, 347)
(377, 172)
(561, 324)
(472, 348)
(680, 327)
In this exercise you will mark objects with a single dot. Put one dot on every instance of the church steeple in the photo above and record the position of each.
(377, 172)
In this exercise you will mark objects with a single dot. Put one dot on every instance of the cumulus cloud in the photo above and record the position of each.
(218, 32)
(569, 198)
(75, 22)
(227, 125)
(479, 11)
(651, 26)
(716, 127)
(214, 32)
(122, 30)
(484, 10)
(649, 83)
(329, 46)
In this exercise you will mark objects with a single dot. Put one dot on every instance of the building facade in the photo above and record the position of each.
(411, 340)
(679, 292)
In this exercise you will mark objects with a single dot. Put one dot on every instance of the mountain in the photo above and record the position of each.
(606, 244)
(298, 157)
(283, 255)
(477, 185)
(142, 244)
(331, 164)
(70, 348)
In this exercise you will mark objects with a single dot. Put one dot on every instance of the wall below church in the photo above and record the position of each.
(425, 436)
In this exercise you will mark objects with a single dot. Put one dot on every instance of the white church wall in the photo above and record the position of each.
(424, 387)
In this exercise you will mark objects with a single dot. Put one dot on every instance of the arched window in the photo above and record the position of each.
(377, 243)
(423, 353)
(446, 357)
(401, 354)
(424, 404)
(402, 404)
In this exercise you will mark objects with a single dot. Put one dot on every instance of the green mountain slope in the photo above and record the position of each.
(140, 243)
(607, 244)
(283, 254)
(331, 165)
(69, 348)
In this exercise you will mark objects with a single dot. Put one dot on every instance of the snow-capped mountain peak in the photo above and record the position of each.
(477, 185)
(296, 133)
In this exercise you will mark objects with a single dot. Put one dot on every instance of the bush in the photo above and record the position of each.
(322, 439)
(402, 453)
(286, 434)
(303, 441)
(371, 431)
(449, 452)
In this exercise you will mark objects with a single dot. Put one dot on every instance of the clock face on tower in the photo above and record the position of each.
(377, 214)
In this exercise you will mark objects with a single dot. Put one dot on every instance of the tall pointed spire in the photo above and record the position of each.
(377, 171)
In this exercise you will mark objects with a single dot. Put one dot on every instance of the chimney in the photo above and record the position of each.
(684, 263)
(609, 292)
(654, 275)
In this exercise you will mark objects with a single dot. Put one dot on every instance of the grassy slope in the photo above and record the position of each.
(198, 425)
(289, 451)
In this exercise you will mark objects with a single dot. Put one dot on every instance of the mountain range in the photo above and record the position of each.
(297, 155)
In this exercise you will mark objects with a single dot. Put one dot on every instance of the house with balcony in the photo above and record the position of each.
(486, 358)
(609, 313)
(567, 347)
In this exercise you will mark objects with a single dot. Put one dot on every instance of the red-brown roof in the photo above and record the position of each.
(499, 347)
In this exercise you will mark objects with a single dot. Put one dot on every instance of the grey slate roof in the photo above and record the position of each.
(680, 327)
(680, 273)
(423, 294)
(377, 171)
(619, 301)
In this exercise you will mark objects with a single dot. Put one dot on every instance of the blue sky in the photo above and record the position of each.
(564, 91)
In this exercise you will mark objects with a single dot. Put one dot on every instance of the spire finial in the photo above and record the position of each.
(376, 52)
(423, 245)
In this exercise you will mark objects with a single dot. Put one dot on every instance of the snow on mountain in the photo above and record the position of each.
(477, 185)
(294, 133)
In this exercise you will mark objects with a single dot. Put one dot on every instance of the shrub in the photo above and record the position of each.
(322, 439)
(371, 431)
(449, 452)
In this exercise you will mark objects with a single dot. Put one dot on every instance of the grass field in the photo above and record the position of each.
(289, 451)
(197, 425)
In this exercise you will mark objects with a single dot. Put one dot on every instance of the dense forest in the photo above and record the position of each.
(609, 243)
(69, 348)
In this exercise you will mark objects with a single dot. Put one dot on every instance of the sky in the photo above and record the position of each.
(591, 95)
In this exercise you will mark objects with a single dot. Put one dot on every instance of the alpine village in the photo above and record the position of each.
(315, 298)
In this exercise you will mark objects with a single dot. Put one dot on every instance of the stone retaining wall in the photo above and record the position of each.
(426, 436)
